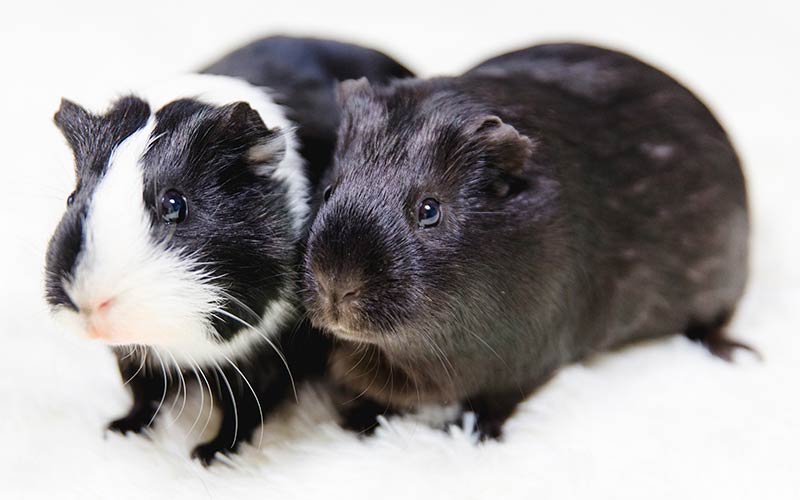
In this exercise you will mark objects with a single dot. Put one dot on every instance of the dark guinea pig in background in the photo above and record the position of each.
(180, 245)
(481, 231)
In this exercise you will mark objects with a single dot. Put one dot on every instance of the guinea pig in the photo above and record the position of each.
(180, 245)
(484, 230)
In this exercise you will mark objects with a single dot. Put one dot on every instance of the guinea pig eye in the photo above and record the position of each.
(173, 208)
(429, 213)
(70, 199)
(326, 195)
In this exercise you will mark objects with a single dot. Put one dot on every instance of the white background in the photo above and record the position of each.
(661, 420)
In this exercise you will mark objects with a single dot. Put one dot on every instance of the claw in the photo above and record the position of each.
(206, 453)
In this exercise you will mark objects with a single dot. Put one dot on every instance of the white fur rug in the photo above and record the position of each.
(657, 420)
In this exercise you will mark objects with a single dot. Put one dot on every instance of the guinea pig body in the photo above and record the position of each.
(180, 244)
(484, 230)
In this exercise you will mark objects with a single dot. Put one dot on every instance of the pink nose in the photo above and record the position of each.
(104, 305)
(96, 325)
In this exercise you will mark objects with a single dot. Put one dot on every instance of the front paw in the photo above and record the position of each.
(360, 423)
(206, 453)
(489, 428)
(136, 421)
(361, 416)
(485, 428)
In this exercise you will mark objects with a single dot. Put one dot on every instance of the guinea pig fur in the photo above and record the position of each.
(481, 231)
(180, 245)
(300, 73)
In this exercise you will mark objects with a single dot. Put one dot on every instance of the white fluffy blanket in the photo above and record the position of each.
(656, 420)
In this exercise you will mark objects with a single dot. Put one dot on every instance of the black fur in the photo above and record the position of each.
(588, 200)
(238, 221)
(302, 73)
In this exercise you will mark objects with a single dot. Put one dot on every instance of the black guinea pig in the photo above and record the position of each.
(180, 245)
(481, 231)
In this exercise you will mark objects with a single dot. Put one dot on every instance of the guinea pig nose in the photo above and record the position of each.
(339, 291)
(345, 289)
(350, 295)
(96, 307)
(104, 305)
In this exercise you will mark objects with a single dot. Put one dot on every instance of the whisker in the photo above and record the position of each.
(210, 395)
(369, 386)
(141, 365)
(202, 398)
(258, 403)
(233, 401)
(164, 395)
(486, 345)
(267, 340)
(133, 349)
(438, 354)
(363, 355)
(182, 384)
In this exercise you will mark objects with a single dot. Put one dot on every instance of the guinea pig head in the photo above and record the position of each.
(418, 225)
(178, 233)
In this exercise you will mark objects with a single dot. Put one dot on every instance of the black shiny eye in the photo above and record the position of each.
(429, 213)
(71, 198)
(326, 195)
(173, 208)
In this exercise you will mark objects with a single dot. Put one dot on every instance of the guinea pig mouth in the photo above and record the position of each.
(346, 333)
(331, 319)
(343, 320)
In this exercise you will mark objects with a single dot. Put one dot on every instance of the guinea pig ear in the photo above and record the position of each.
(240, 128)
(349, 90)
(502, 145)
(76, 124)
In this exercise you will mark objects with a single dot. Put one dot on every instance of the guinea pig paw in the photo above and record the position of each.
(724, 348)
(362, 417)
(484, 428)
(489, 429)
(133, 422)
(206, 453)
(362, 425)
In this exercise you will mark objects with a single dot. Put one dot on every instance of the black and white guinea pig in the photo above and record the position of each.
(484, 230)
(180, 244)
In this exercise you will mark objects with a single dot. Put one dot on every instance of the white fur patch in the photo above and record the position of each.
(151, 295)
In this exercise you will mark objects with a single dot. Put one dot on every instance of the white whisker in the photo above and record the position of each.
(182, 385)
(258, 403)
(267, 340)
(233, 401)
(210, 395)
(164, 395)
(141, 365)
(202, 398)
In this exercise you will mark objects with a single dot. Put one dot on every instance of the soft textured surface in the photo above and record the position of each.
(658, 420)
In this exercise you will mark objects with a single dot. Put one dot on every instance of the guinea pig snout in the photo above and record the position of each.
(338, 297)
(348, 265)
(95, 317)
